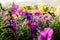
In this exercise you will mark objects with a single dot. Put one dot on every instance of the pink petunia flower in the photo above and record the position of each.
(37, 14)
(5, 15)
(14, 8)
(46, 34)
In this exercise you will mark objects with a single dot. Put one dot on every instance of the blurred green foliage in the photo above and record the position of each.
(23, 32)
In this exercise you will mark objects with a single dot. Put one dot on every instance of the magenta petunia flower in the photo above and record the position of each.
(46, 34)
(14, 8)
(21, 12)
(37, 14)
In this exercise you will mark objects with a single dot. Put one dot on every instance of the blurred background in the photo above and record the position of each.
(33, 2)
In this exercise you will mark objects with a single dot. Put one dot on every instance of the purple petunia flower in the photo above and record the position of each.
(46, 34)
(28, 16)
(45, 19)
(12, 25)
(13, 21)
(14, 8)
(33, 27)
(37, 14)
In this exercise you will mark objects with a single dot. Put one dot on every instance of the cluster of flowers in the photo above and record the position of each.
(14, 14)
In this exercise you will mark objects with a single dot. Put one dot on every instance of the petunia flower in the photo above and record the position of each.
(12, 25)
(37, 14)
(45, 19)
(14, 8)
(28, 16)
(33, 27)
(5, 12)
(46, 34)
(21, 12)
(5, 15)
